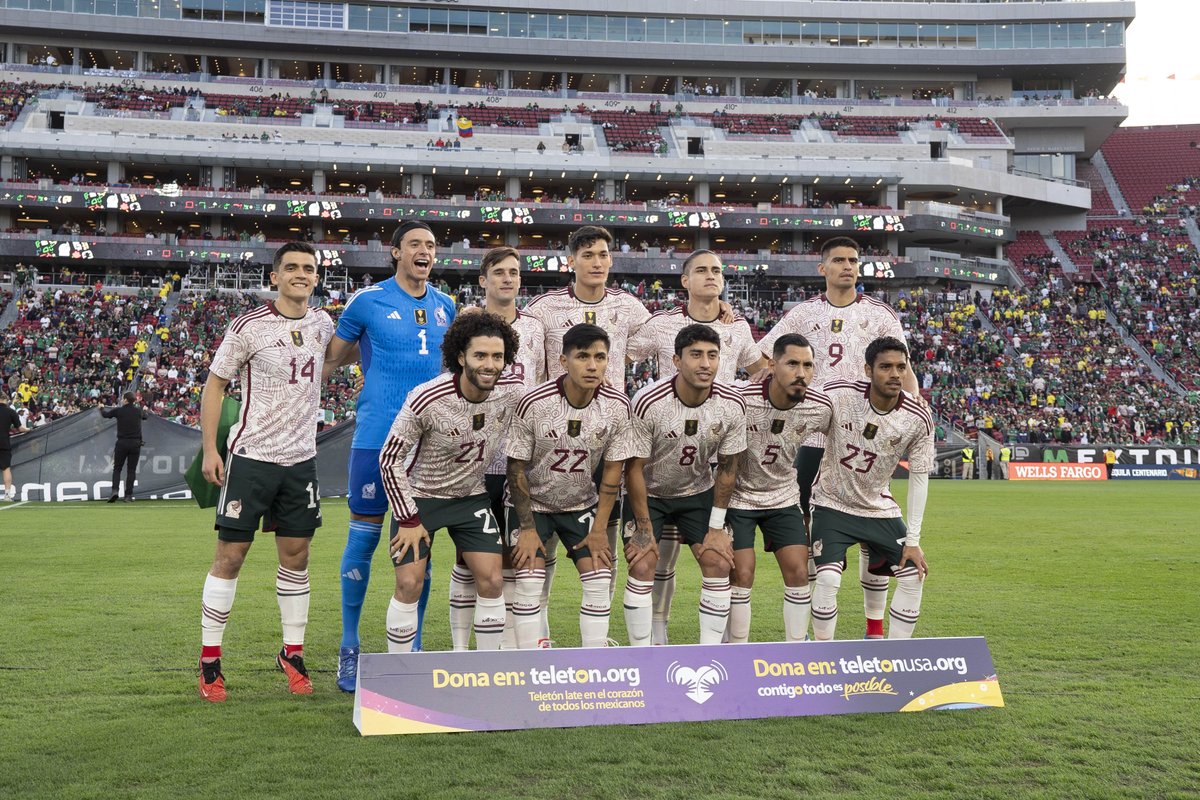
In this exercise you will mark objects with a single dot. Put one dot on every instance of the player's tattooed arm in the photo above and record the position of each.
(528, 544)
(641, 544)
(718, 539)
(596, 541)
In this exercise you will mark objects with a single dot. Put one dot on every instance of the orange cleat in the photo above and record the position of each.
(297, 675)
(212, 682)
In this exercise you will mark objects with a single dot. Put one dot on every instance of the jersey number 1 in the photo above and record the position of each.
(424, 343)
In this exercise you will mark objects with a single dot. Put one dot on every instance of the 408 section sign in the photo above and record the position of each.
(508, 690)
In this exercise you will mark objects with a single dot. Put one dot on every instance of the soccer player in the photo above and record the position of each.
(398, 326)
(703, 279)
(276, 352)
(840, 324)
(680, 424)
(875, 424)
(500, 278)
(588, 300)
(562, 431)
(780, 413)
(452, 425)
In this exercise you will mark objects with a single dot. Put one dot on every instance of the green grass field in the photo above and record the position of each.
(1086, 594)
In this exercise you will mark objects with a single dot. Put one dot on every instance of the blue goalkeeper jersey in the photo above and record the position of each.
(400, 337)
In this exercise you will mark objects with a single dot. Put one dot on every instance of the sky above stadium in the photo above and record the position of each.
(1162, 77)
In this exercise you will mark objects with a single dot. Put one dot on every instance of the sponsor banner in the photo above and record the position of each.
(72, 459)
(1139, 454)
(1055, 472)
(448, 692)
(1125, 472)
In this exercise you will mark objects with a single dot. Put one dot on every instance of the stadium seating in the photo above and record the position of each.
(1145, 161)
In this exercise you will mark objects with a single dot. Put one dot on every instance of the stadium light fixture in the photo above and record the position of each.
(816, 180)
(753, 178)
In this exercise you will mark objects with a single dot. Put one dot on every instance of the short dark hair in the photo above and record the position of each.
(587, 235)
(694, 333)
(583, 336)
(292, 247)
(687, 262)
(494, 256)
(130, 397)
(838, 241)
(403, 228)
(789, 340)
(882, 345)
(477, 323)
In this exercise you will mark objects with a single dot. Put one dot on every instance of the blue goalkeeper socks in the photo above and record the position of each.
(361, 542)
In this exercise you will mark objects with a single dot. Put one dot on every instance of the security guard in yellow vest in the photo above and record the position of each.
(968, 467)
(1005, 457)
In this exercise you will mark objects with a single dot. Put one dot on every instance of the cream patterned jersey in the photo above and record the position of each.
(619, 313)
(529, 366)
(656, 339)
(863, 448)
(277, 360)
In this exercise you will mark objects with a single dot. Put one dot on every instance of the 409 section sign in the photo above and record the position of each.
(507, 690)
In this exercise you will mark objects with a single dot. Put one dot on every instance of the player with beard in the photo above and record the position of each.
(780, 413)
(452, 425)
(397, 326)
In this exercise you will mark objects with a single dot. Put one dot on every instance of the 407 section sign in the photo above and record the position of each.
(506, 690)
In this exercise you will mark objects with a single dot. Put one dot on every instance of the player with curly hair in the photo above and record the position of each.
(451, 425)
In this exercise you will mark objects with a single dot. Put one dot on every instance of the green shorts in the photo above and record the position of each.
(780, 527)
(571, 527)
(835, 532)
(688, 514)
(286, 499)
(468, 520)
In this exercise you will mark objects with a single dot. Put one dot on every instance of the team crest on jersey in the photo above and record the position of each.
(298, 338)
(870, 431)
(233, 509)
(477, 422)
(574, 426)
(894, 441)
(599, 435)
(818, 546)
(776, 426)
(589, 317)
(421, 317)
(715, 430)
(439, 316)
(836, 326)
(368, 491)
(690, 427)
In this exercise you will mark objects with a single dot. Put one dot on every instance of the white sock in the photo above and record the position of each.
(401, 626)
(292, 592)
(638, 611)
(824, 601)
(462, 606)
(508, 641)
(738, 629)
(614, 538)
(489, 622)
(906, 604)
(527, 607)
(664, 581)
(875, 587)
(595, 607)
(551, 564)
(797, 608)
(215, 604)
(714, 609)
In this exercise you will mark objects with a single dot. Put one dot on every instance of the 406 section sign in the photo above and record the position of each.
(507, 690)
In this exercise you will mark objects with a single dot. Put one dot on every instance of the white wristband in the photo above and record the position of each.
(716, 519)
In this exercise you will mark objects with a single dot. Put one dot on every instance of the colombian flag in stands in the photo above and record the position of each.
(465, 128)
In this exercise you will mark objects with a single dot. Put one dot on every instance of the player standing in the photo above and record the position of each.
(500, 278)
(452, 424)
(277, 352)
(840, 324)
(780, 413)
(680, 424)
(875, 424)
(398, 326)
(562, 431)
(703, 279)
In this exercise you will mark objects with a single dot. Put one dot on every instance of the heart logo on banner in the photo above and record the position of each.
(698, 681)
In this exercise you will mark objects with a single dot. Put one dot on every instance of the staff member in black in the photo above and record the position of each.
(129, 443)
(9, 421)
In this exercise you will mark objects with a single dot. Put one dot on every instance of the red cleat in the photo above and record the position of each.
(212, 682)
(297, 675)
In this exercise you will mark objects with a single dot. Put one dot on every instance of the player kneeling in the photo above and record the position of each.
(452, 425)
(781, 413)
(271, 470)
(561, 431)
(874, 425)
(679, 425)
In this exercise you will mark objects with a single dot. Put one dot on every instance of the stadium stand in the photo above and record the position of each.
(1145, 161)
